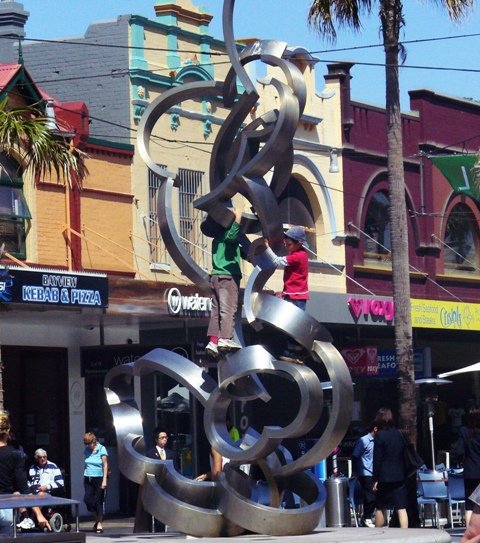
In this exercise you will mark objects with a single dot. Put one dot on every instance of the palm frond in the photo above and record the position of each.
(25, 136)
(323, 15)
(457, 9)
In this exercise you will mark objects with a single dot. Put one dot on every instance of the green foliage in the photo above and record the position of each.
(25, 136)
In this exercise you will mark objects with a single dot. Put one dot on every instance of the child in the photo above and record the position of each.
(225, 282)
(295, 278)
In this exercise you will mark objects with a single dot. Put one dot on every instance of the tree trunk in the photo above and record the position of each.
(391, 19)
(1, 381)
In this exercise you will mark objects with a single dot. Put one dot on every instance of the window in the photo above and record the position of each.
(377, 229)
(461, 240)
(158, 251)
(13, 208)
(296, 209)
(190, 188)
(189, 218)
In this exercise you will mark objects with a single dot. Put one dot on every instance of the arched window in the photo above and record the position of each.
(461, 240)
(296, 209)
(377, 227)
(13, 208)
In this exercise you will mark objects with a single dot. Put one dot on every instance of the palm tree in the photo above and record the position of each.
(324, 15)
(25, 135)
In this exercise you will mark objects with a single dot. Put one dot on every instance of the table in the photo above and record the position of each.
(16, 501)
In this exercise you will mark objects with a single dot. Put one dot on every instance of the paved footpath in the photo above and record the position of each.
(120, 531)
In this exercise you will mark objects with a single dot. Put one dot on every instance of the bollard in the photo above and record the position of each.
(337, 508)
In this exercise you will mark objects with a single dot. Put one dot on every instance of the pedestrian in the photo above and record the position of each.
(225, 284)
(217, 463)
(467, 452)
(13, 477)
(472, 532)
(44, 477)
(295, 280)
(160, 450)
(95, 478)
(362, 460)
(388, 469)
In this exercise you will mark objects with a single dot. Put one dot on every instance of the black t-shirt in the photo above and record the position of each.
(468, 451)
(13, 476)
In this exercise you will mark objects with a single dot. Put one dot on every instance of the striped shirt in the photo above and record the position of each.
(49, 476)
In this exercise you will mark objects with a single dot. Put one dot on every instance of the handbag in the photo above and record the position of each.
(411, 459)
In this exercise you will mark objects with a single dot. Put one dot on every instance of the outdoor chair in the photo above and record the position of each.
(433, 489)
(456, 498)
(355, 497)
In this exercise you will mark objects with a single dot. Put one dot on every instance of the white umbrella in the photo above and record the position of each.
(466, 369)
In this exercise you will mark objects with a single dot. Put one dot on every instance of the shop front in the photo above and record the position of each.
(43, 312)
(445, 338)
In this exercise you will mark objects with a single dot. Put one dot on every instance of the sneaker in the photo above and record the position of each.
(291, 359)
(228, 344)
(26, 524)
(211, 349)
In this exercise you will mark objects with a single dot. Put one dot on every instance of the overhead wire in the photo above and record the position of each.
(411, 266)
(66, 41)
(191, 144)
(472, 264)
(320, 258)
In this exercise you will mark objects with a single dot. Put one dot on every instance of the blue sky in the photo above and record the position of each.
(277, 19)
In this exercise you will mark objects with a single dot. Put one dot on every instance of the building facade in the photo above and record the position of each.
(113, 223)
(443, 250)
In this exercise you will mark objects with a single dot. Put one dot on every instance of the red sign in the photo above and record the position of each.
(376, 310)
(361, 361)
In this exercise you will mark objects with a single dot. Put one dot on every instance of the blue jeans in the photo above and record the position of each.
(6, 521)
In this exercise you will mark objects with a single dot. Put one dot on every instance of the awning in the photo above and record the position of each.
(459, 172)
(466, 369)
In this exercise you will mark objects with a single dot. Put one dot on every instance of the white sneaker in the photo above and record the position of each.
(228, 344)
(26, 524)
(211, 349)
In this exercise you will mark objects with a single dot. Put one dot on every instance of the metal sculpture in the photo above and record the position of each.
(241, 157)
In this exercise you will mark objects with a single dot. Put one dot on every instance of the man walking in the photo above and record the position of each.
(362, 458)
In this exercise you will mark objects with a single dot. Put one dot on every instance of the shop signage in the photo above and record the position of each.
(373, 309)
(445, 315)
(361, 361)
(368, 361)
(187, 305)
(55, 288)
(97, 361)
(387, 363)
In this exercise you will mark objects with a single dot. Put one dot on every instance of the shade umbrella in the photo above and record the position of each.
(428, 386)
(466, 369)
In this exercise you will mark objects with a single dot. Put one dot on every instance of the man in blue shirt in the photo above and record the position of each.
(362, 459)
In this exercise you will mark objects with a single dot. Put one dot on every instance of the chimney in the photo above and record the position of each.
(12, 19)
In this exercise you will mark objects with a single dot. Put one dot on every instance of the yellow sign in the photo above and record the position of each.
(445, 315)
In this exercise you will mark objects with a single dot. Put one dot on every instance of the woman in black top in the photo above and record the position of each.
(467, 452)
(13, 477)
(388, 469)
